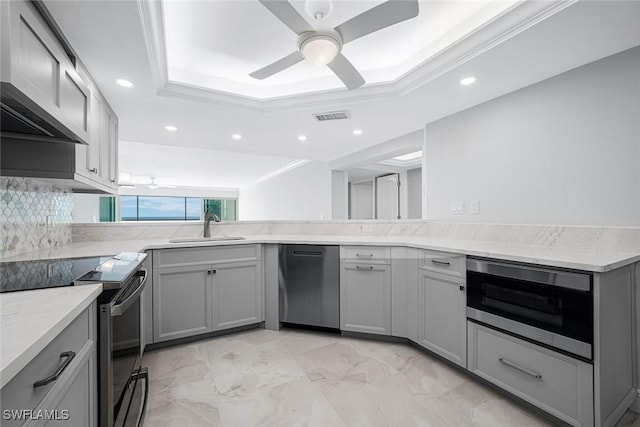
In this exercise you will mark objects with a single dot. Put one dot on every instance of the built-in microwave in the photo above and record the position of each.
(552, 307)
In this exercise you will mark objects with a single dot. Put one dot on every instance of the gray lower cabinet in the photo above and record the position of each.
(365, 298)
(69, 400)
(558, 384)
(441, 315)
(237, 295)
(181, 302)
(192, 298)
(442, 322)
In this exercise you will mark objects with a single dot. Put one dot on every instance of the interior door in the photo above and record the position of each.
(361, 199)
(388, 196)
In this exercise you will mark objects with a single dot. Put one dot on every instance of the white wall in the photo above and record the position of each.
(303, 193)
(414, 193)
(563, 151)
(86, 208)
(339, 195)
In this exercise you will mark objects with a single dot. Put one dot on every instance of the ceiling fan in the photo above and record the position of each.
(322, 47)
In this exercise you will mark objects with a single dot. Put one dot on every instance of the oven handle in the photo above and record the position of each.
(118, 309)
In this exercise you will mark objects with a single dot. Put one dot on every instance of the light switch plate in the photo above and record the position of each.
(457, 207)
(474, 207)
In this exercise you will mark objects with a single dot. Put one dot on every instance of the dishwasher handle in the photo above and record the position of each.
(317, 254)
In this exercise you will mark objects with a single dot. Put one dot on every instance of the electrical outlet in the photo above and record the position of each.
(457, 207)
(367, 228)
(51, 222)
(474, 207)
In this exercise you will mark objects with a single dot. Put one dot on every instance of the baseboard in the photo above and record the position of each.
(635, 406)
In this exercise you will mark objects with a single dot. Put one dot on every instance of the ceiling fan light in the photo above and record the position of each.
(320, 50)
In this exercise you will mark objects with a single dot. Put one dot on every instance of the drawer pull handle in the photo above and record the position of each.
(529, 372)
(437, 261)
(68, 357)
(93, 170)
(364, 268)
(364, 255)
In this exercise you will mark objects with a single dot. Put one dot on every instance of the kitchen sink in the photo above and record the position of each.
(206, 239)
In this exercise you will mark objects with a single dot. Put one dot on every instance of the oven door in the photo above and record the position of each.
(556, 316)
(121, 377)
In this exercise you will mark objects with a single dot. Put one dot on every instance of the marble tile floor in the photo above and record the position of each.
(299, 378)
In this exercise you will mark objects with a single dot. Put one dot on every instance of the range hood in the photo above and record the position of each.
(21, 118)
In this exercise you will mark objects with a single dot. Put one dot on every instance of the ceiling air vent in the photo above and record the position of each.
(333, 115)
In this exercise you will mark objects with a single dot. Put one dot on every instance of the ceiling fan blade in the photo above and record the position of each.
(346, 72)
(381, 16)
(286, 13)
(276, 67)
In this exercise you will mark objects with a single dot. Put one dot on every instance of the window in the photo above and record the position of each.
(226, 209)
(165, 208)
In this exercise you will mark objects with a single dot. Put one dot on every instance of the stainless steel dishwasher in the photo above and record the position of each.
(309, 282)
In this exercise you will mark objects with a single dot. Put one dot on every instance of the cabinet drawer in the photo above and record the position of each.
(200, 255)
(556, 383)
(20, 393)
(366, 253)
(443, 262)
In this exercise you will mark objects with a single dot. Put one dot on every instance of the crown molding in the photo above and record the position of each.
(501, 28)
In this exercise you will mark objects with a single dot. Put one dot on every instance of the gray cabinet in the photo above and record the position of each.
(74, 393)
(200, 290)
(237, 295)
(365, 290)
(36, 68)
(181, 302)
(441, 316)
(442, 305)
(558, 384)
(97, 161)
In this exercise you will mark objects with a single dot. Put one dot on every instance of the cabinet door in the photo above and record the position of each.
(237, 295)
(181, 302)
(442, 316)
(365, 298)
(112, 173)
(77, 406)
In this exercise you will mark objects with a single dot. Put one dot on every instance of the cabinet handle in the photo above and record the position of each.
(68, 355)
(364, 255)
(437, 261)
(529, 372)
(364, 268)
(93, 170)
(461, 288)
(112, 180)
(211, 271)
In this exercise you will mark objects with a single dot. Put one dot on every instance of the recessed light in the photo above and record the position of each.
(171, 128)
(357, 132)
(467, 81)
(124, 83)
(302, 138)
(236, 136)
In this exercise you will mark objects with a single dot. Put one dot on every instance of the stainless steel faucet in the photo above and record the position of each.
(208, 216)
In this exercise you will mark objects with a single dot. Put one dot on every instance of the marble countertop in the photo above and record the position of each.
(30, 320)
(579, 259)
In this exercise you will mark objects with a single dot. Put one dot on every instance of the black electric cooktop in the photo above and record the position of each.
(53, 273)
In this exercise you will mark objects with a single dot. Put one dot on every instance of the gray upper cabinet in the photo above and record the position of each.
(97, 161)
(200, 290)
(365, 289)
(36, 68)
(442, 304)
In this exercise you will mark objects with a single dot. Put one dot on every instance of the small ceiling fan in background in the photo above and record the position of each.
(323, 46)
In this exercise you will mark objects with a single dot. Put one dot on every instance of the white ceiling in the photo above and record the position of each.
(114, 39)
(205, 48)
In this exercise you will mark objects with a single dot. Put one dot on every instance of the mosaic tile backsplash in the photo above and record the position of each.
(34, 215)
